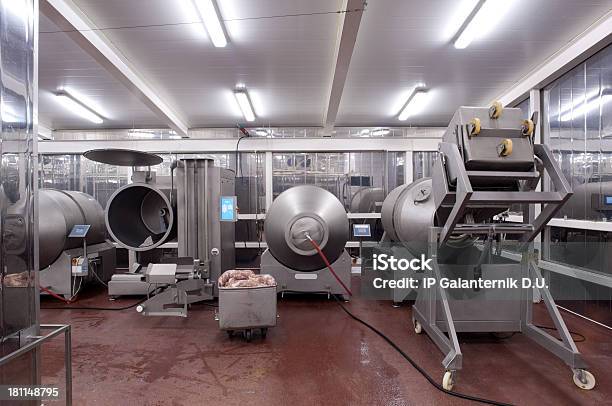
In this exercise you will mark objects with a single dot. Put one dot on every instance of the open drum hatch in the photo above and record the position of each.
(123, 157)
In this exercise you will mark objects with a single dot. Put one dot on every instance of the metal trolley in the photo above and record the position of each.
(246, 310)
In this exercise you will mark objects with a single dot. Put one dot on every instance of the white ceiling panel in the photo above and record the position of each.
(404, 42)
(285, 63)
(63, 64)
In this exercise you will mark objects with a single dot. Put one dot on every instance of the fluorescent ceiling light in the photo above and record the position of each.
(78, 108)
(244, 101)
(262, 132)
(381, 132)
(142, 134)
(414, 105)
(209, 14)
(485, 15)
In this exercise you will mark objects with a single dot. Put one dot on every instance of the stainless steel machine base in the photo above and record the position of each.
(315, 281)
(442, 316)
(58, 276)
(129, 284)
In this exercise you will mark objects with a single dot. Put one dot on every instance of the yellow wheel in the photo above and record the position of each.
(495, 111)
(584, 379)
(527, 128)
(418, 329)
(448, 380)
(505, 148)
(475, 126)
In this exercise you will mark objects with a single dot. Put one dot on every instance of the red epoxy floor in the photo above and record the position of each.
(316, 355)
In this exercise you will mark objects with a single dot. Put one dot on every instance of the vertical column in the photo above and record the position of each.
(535, 105)
(19, 301)
(268, 175)
(408, 172)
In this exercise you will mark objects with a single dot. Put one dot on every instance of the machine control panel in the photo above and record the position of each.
(361, 230)
(79, 231)
(229, 210)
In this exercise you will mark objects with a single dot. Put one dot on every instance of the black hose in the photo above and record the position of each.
(417, 366)
(406, 356)
(93, 308)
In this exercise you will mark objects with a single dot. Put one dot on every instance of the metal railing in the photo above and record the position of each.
(39, 340)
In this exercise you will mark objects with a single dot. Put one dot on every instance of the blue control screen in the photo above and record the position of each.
(608, 199)
(228, 208)
(361, 230)
(79, 231)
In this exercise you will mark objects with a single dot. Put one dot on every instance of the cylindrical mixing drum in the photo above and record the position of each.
(305, 210)
(407, 215)
(140, 217)
(60, 211)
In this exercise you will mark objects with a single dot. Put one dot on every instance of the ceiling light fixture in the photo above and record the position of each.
(78, 107)
(210, 16)
(414, 105)
(262, 132)
(381, 132)
(485, 15)
(244, 101)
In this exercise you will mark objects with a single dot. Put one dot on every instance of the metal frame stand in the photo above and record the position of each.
(442, 317)
(433, 313)
(290, 280)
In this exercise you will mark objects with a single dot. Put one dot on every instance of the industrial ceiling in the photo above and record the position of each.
(299, 60)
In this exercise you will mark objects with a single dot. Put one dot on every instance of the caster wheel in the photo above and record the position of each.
(264, 332)
(230, 333)
(527, 128)
(584, 379)
(475, 126)
(396, 305)
(248, 335)
(495, 111)
(417, 327)
(448, 381)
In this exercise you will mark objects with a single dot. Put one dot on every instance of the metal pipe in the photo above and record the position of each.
(68, 362)
(207, 184)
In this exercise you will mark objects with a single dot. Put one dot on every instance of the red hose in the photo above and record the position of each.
(324, 258)
(55, 295)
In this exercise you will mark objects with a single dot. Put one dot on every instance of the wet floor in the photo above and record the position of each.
(316, 355)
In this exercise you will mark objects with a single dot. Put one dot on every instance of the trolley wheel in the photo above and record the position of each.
(527, 128)
(230, 333)
(264, 332)
(505, 148)
(448, 381)
(396, 304)
(417, 327)
(495, 111)
(248, 335)
(475, 126)
(584, 379)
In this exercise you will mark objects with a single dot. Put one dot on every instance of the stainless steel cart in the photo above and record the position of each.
(246, 310)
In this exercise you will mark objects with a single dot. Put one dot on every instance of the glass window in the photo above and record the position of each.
(347, 175)
(422, 163)
(578, 109)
